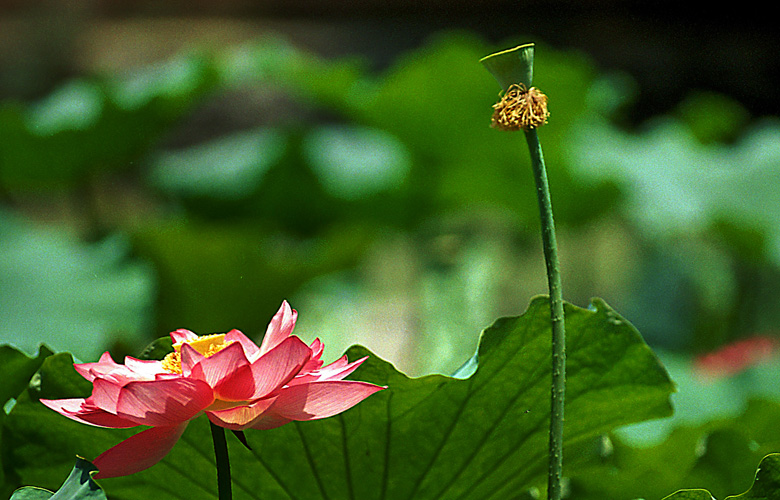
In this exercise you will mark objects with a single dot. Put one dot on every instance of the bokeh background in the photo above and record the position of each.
(173, 165)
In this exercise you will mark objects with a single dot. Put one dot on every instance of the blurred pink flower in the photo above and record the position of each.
(236, 383)
(737, 356)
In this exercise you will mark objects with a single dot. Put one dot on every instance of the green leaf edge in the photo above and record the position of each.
(766, 485)
(79, 485)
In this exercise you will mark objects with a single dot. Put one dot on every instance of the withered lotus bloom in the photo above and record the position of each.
(236, 383)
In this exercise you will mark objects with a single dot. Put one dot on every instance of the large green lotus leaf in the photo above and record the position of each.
(765, 487)
(484, 436)
(78, 486)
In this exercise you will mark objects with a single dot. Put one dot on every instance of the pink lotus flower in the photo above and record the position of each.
(236, 383)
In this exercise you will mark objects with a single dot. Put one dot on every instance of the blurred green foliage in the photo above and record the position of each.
(709, 209)
(721, 429)
(60, 290)
(200, 192)
(96, 124)
(721, 456)
(346, 189)
(231, 223)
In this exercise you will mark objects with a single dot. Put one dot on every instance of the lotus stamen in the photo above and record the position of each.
(520, 109)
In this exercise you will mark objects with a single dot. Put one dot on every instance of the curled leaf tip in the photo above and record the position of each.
(520, 109)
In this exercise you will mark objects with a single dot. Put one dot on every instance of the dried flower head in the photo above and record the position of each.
(520, 109)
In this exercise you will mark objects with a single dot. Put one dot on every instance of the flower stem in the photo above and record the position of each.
(223, 462)
(550, 248)
(510, 67)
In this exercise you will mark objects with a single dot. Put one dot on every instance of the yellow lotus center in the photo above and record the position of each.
(207, 345)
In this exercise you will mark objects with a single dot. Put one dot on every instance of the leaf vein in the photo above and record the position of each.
(273, 475)
(388, 437)
(347, 464)
(443, 441)
(310, 460)
(539, 372)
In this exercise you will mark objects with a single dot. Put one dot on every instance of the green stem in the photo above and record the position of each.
(550, 247)
(516, 66)
(223, 462)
